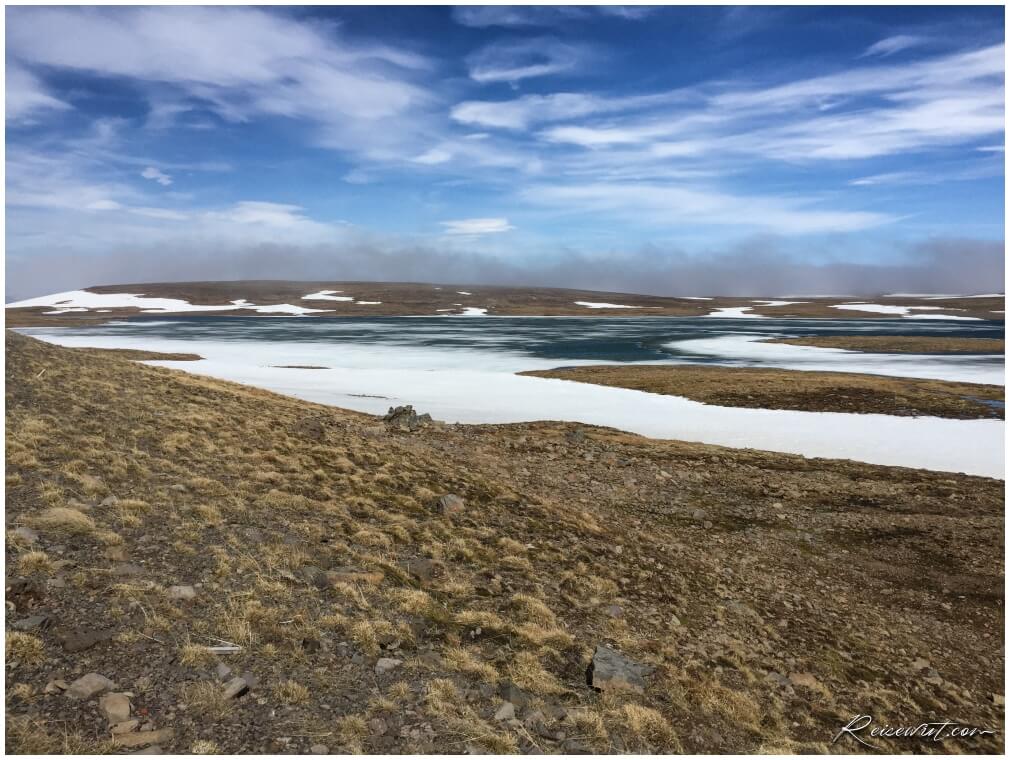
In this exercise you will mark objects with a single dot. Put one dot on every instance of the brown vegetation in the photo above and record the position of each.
(764, 388)
(901, 344)
(772, 596)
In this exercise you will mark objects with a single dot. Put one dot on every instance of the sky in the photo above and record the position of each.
(740, 150)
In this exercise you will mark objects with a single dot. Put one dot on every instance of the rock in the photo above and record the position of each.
(115, 707)
(998, 699)
(310, 429)
(319, 749)
(178, 487)
(56, 686)
(88, 686)
(699, 514)
(127, 569)
(449, 504)
(81, 639)
(140, 738)
(222, 671)
(181, 592)
(405, 418)
(507, 711)
(378, 726)
(236, 687)
(673, 620)
(613, 610)
(332, 578)
(575, 436)
(109, 501)
(386, 664)
(512, 693)
(124, 727)
(27, 535)
(919, 664)
(35, 622)
(422, 570)
(612, 671)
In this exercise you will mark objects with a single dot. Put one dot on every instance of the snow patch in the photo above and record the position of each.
(735, 312)
(84, 300)
(597, 305)
(778, 303)
(464, 293)
(901, 311)
(326, 295)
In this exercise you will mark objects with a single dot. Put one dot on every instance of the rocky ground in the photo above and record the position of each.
(764, 388)
(414, 299)
(901, 344)
(198, 566)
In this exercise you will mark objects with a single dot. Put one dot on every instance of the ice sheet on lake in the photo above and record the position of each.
(755, 351)
(476, 386)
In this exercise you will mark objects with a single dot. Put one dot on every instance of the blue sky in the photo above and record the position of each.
(515, 136)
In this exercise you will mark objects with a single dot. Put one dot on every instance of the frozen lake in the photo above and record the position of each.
(462, 369)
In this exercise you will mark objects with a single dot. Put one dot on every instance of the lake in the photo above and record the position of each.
(462, 369)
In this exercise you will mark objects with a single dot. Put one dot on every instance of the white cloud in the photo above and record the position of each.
(514, 60)
(157, 175)
(522, 112)
(541, 15)
(238, 62)
(27, 96)
(477, 226)
(676, 206)
(891, 45)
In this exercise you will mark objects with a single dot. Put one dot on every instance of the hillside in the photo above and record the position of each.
(373, 587)
(376, 299)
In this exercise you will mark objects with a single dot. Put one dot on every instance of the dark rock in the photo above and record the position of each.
(612, 671)
(35, 622)
(512, 693)
(449, 504)
(310, 429)
(405, 418)
(424, 571)
(81, 639)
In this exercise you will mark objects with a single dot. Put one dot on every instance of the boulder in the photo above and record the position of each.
(88, 686)
(236, 687)
(81, 639)
(405, 418)
(612, 671)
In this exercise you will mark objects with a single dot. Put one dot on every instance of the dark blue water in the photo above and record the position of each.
(594, 338)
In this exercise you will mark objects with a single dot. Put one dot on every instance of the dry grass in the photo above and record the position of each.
(24, 648)
(555, 531)
(64, 520)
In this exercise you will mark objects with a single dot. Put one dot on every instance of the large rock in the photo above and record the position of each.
(405, 418)
(115, 707)
(81, 639)
(612, 671)
(88, 686)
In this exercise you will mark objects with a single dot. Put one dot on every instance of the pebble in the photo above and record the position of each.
(507, 711)
(386, 664)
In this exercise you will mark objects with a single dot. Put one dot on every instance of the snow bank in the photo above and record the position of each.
(326, 295)
(597, 305)
(735, 312)
(478, 386)
(84, 300)
(752, 350)
(778, 303)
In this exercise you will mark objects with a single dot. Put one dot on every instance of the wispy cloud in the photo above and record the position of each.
(514, 60)
(27, 96)
(672, 206)
(238, 63)
(542, 15)
(891, 45)
(477, 226)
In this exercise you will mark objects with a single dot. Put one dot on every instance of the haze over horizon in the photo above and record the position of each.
(656, 150)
